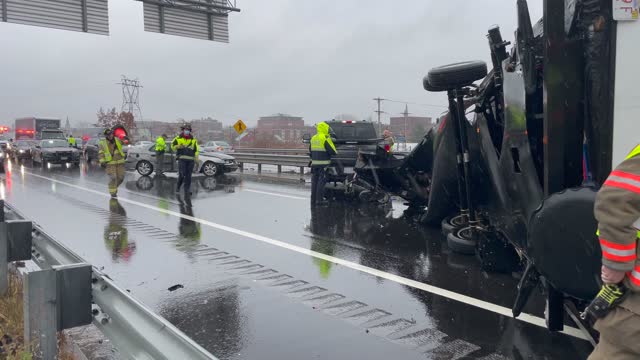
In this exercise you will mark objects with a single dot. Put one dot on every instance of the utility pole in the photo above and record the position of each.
(406, 114)
(379, 100)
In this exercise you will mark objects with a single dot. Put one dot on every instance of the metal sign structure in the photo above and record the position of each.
(90, 16)
(199, 19)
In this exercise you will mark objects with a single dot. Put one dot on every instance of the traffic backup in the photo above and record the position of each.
(32, 128)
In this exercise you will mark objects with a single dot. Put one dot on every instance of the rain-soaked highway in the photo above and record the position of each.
(264, 277)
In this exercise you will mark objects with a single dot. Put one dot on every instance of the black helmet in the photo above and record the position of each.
(107, 132)
(185, 126)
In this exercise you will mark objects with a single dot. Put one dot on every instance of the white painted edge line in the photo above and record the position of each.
(524, 317)
(276, 194)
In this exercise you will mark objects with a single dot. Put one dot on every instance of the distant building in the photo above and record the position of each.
(208, 129)
(283, 127)
(412, 128)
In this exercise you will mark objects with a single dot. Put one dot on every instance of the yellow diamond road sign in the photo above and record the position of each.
(240, 126)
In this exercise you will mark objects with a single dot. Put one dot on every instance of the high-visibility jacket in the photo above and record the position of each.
(321, 146)
(161, 145)
(110, 153)
(72, 141)
(190, 148)
(617, 209)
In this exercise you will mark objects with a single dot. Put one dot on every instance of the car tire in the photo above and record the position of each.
(452, 224)
(210, 169)
(144, 167)
(461, 242)
(454, 76)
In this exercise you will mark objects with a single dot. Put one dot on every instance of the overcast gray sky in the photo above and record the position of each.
(308, 58)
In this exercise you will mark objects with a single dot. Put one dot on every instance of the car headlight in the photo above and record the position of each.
(21, 151)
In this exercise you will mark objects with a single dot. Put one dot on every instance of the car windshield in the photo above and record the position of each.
(222, 143)
(23, 144)
(54, 143)
(353, 131)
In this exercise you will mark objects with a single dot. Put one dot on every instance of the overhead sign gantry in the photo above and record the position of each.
(200, 19)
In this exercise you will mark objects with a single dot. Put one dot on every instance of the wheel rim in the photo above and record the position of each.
(210, 169)
(144, 168)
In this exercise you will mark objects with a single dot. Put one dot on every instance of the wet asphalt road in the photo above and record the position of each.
(248, 291)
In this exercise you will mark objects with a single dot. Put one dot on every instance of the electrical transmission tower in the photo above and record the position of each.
(131, 97)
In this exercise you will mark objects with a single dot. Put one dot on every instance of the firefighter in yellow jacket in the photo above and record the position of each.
(617, 208)
(112, 159)
(321, 149)
(186, 148)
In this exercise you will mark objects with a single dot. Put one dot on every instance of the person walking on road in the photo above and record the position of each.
(186, 148)
(321, 149)
(161, 147)
(112, 158)
(617, 208)
(72, 141)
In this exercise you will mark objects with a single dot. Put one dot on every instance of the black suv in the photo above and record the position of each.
(349, 137)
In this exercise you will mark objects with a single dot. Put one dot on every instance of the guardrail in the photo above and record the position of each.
(68, 292)
(300, 151)
(299, 161)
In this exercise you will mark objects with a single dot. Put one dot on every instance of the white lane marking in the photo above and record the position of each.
(524, 317)
(276, 194)
(135, 193)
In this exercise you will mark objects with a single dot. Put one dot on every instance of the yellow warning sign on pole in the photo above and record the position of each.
(240, 126)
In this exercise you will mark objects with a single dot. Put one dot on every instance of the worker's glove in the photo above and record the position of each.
(610, 276)
(309, 165)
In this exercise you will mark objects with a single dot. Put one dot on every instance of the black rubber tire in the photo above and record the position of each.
(140, 168)
(460, 242)
(454, 76)
(450, 224)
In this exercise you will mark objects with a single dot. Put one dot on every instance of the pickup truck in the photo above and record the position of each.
(349, 137)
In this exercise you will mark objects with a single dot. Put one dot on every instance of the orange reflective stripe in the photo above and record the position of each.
(623, 185)
(618, 252)
(634, 275)
(625, 175)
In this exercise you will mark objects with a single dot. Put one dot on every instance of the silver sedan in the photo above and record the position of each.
(143, 160)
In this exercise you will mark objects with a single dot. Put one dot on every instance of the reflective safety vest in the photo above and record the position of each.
(105, 155)
(319, 154)
(189, 150)
(635, 152)
(161, 146)
(72, 141)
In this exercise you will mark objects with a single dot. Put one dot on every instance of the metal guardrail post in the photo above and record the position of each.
(40, 328)
(259, 168)
(55, 299)
(15, 245)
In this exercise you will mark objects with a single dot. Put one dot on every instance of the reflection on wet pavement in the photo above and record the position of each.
(244, 299)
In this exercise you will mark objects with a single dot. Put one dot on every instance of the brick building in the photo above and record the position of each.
(412, 127)
(283, 127)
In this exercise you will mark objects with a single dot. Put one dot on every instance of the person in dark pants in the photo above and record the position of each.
(161, 147)
(321, 149)
(186, 148)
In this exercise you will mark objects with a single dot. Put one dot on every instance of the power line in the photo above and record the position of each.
(414, 103)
